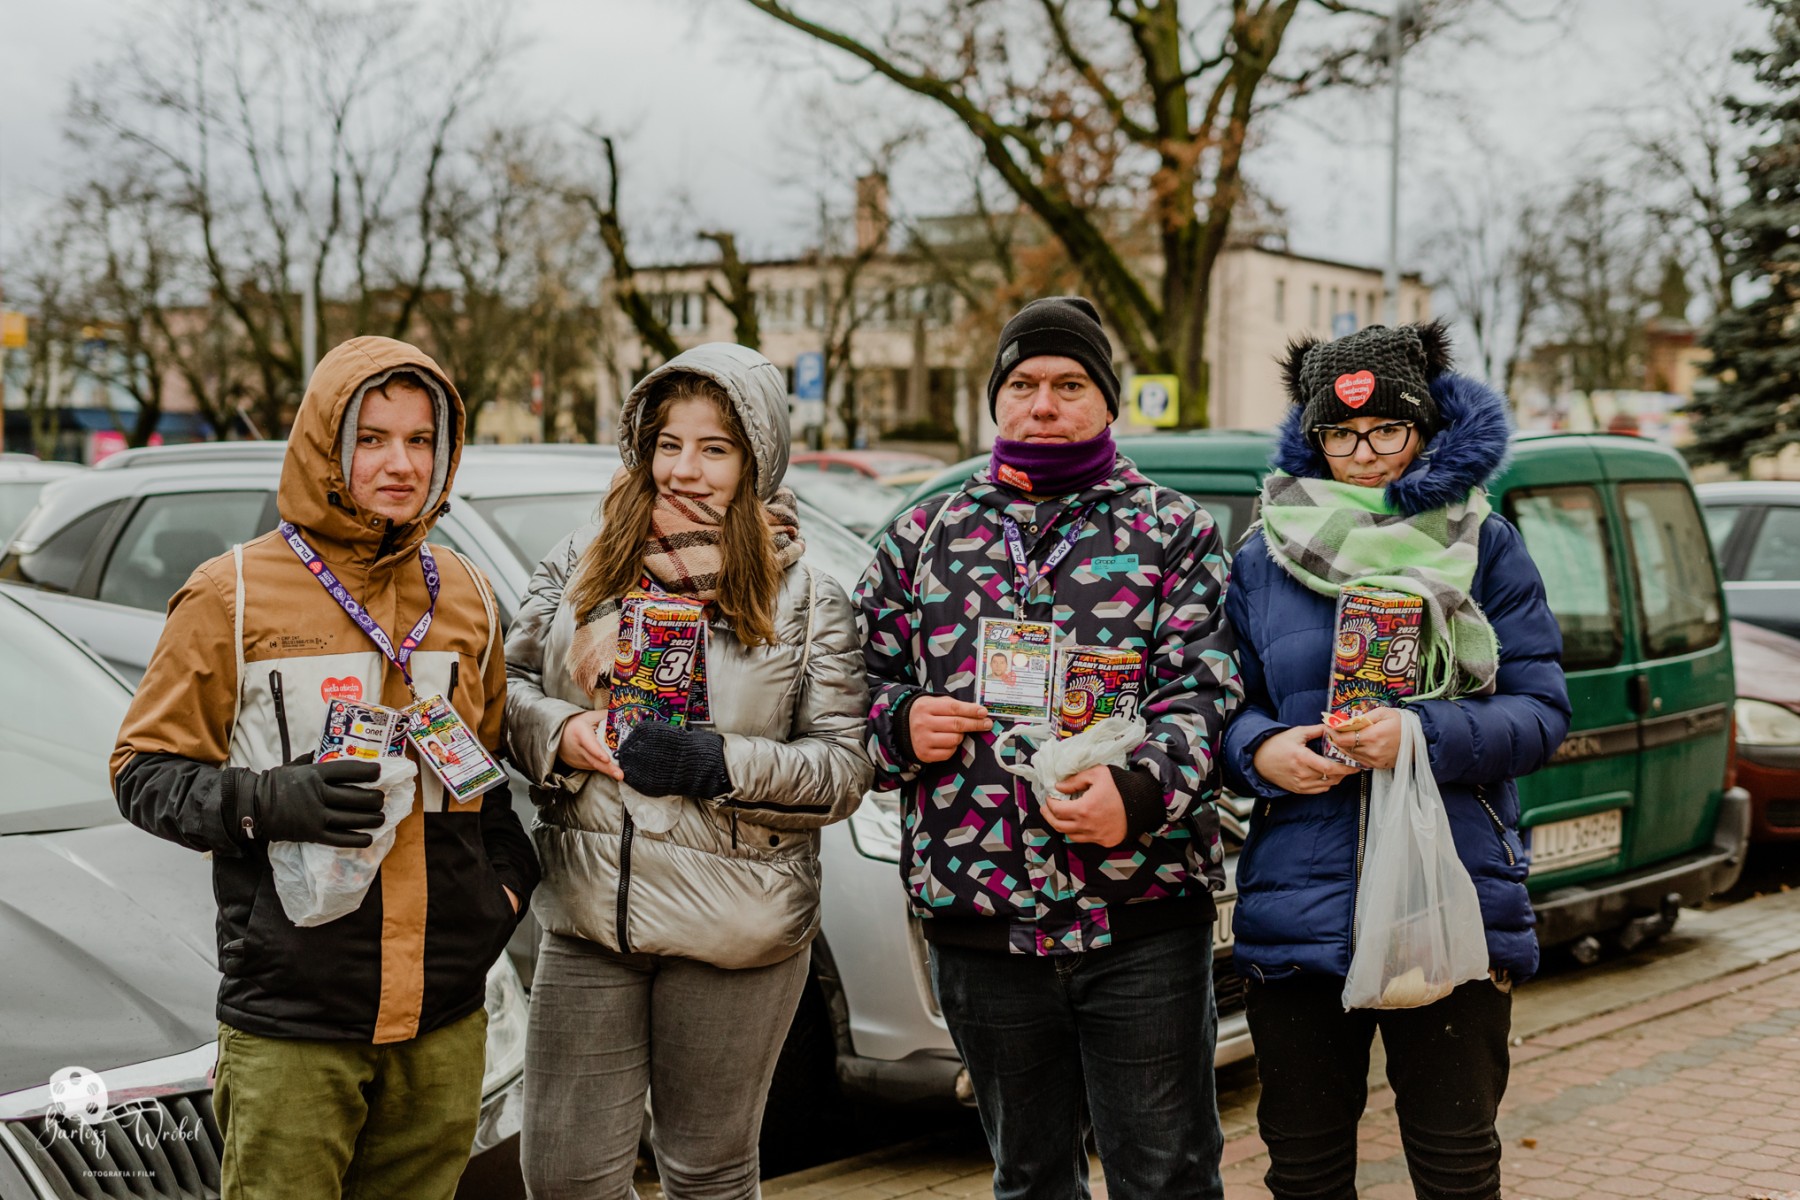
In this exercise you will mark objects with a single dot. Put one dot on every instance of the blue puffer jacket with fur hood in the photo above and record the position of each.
(1297, 875)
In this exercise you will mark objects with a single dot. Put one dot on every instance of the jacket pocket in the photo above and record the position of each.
(1510, 848)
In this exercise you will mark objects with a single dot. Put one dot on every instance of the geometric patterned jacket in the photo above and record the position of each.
(977, 853)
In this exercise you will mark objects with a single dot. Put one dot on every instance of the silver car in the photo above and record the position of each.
(102, 556)
(22, 477)
(110, 961)
(1755, 530)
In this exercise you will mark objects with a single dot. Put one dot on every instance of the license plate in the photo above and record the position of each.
(1580, 840)
(1222, 925)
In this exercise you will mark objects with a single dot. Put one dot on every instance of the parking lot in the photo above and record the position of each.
(1670, 1072)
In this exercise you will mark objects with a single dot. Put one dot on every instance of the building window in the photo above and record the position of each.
(1281, 299)
(1374, 300)
(1313, 320)
(1335, 309)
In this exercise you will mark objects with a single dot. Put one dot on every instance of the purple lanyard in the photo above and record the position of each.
(1023, 579)
(357, 613)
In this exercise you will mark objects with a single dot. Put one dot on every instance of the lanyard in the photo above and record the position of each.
(357, 613)
(1023, 579)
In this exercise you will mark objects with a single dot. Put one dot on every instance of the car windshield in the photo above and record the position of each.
(856, 500)
(533, 525)
(59, 715)
(832, 548)
(16, 500)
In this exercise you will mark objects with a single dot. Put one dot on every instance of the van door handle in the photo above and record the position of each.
(1637, 693)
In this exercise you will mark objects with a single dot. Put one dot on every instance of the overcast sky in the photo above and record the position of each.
(713, 127)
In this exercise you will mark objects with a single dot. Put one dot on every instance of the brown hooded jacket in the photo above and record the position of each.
(253, 650)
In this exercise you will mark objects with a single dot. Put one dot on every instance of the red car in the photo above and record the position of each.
(1768, 729)
(876, 464)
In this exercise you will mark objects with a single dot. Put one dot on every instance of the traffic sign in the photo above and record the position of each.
(809, 375)
(1343, 324)
(12, 330)
(1156, 399)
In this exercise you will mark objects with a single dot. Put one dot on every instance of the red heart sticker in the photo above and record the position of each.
(1356, 389)
(1013, 477)
(316, 566)
(348, 688)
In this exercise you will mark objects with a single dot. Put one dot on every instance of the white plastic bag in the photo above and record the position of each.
(318, 883)
(1105, 743)
(1418, 922)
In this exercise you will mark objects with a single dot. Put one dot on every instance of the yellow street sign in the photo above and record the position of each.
(12, 330)
(1156, 399)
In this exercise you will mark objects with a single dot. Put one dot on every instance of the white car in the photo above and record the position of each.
(110, 962)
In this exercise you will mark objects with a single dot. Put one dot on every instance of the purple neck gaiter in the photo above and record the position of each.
(1053, 468)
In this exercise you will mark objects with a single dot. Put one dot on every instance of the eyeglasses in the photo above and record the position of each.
(1339, 442)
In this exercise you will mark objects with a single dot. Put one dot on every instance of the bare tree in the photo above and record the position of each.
(46, 281)
(603, 205)
(1494, 256)
(1689, 148)
(304, 149)
(1603, 286)
(1121, 126)
(733, 288)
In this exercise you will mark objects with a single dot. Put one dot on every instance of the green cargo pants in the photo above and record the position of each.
(314, 1120)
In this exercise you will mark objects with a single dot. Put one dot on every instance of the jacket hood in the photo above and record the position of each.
(758, 394)
(1470, 447)
(315, 476)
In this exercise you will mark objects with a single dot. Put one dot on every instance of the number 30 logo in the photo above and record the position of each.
(673, 667)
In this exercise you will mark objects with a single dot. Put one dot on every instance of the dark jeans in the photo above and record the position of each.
(1447, 1063)
(1122, 1037)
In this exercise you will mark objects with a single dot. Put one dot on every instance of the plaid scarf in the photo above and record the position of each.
(1328, 535)
(682, 554)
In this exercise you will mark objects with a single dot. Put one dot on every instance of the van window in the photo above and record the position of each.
(56, 564)
(1231, 514)
(1775, 558)
(1565, 534)
(1678, 593)
(169, 536)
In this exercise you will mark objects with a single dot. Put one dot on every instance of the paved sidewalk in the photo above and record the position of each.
(1673, 1074)
(1688, 1096)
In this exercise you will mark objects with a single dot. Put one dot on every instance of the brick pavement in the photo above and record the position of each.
(1672, 1074)
(1689, 1096)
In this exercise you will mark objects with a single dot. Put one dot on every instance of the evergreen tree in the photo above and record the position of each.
(1756, 344)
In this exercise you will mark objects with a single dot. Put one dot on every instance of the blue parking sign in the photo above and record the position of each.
(809, 375)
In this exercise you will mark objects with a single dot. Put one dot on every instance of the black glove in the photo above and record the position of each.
(661, 760)
(306, 801)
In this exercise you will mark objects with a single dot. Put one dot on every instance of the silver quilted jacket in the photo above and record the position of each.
(735, 882)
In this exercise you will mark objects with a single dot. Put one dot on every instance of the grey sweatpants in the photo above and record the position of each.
(607, 1028)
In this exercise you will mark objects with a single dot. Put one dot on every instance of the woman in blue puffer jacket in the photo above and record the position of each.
(1379, 409)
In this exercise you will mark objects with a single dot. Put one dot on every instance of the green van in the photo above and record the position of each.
(1636, 817)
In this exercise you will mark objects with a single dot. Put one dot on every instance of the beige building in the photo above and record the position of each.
(1263, 298)
(919, 359)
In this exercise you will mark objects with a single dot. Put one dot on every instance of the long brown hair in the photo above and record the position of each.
(749, 572)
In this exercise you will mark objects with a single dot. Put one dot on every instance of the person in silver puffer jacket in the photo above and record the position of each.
(681, 881)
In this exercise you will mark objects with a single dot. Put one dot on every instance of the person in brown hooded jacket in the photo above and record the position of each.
(350, 1052)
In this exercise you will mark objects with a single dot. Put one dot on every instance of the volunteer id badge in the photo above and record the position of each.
(1017, 668)
(454, 754)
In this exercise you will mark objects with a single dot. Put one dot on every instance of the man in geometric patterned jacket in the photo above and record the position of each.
(1070, 940)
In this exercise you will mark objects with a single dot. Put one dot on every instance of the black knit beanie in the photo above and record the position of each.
(1374, 372)
(1065, 326)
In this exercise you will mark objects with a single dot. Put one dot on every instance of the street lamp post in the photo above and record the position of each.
(1405, 13)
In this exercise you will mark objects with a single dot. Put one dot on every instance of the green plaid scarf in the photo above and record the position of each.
(1328, 535)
